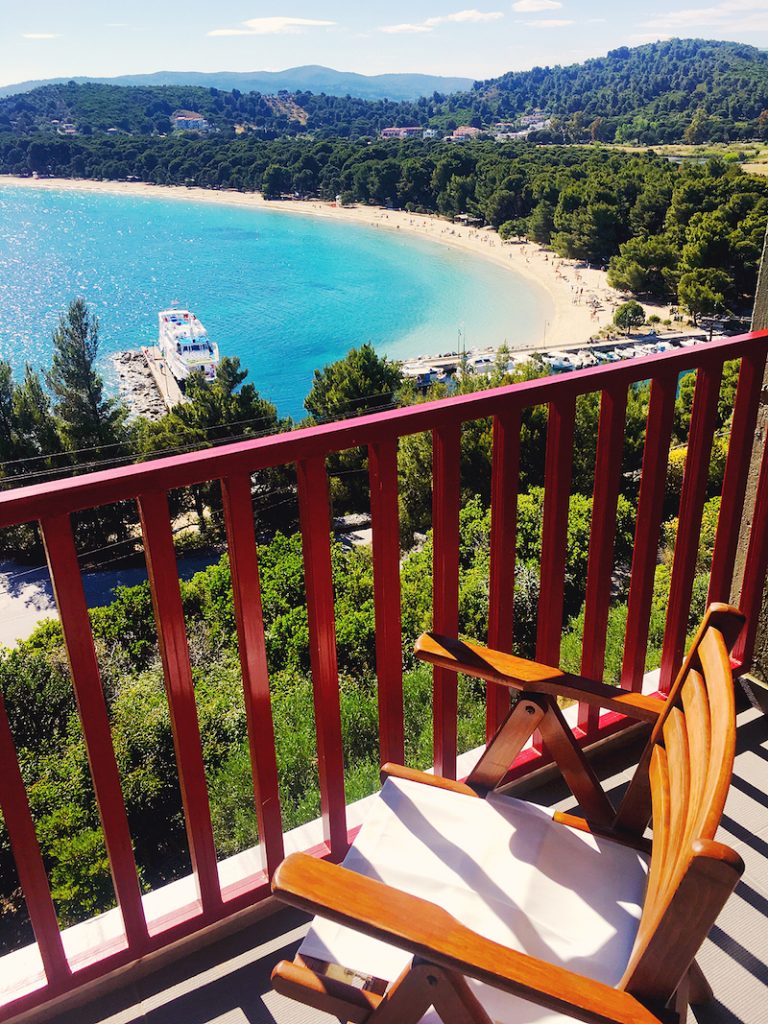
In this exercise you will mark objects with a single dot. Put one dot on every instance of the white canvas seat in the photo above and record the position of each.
(470, 907)
(506, 870)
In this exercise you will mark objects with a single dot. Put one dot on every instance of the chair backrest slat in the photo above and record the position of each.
(719, 682)
(690, 762)
(659, 773)
(681, 809)
(698, 727)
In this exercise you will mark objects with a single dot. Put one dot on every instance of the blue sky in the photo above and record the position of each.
(51, 38)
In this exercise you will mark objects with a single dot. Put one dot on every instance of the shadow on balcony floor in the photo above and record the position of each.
(228, 982)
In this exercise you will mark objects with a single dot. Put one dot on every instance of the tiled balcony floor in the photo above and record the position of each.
(228, 983)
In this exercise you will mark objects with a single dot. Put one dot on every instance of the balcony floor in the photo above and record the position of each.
(228, 982)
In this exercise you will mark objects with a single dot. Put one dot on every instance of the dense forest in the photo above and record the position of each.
(649, 94)
(146, 110)
(34, 678)
(692, 233)
(682, 89)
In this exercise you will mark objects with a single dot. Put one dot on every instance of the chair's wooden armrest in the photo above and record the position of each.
(399, 771)
(428, 931)
(521, 674)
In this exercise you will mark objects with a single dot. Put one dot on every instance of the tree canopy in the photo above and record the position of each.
(691, 90)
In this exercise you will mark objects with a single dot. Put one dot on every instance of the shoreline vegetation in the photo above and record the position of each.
(566, 283)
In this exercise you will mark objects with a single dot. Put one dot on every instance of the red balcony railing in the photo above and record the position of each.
(51, 504)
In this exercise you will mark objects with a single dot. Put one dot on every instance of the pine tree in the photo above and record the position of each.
(87, 420)
(92, 428)
(36, 423)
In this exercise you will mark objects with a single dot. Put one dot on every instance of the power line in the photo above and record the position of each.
(60, 472)
(215, 426)
(121, 444)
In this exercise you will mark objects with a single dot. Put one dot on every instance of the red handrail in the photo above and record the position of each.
(148, 484)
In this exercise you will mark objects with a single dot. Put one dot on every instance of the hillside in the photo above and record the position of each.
(144, 110)
(308, 78)
(654, 89)
(681, 90)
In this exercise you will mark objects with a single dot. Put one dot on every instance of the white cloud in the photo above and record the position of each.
(532, 6)
(272, 27)
(405, 29)
(464, 16)
(733, 15)
(460, 17)
(39, 35)
(550, 22)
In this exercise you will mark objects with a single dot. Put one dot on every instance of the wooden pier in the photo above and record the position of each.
(166, 383)
(146, 383)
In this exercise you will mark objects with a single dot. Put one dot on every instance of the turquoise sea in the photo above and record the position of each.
(284, 293)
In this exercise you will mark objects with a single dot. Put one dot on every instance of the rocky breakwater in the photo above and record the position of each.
(138, 387)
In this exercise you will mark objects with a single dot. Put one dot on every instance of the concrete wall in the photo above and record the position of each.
(759, 323)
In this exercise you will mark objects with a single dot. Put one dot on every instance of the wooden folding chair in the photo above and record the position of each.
(460, 904)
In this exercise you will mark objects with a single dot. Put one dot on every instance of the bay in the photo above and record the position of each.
(285, 293)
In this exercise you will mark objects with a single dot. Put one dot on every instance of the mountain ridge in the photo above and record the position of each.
(305, 77)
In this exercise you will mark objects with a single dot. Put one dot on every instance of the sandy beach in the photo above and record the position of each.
(580, 298)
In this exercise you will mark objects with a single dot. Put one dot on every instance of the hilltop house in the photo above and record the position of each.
(189, 120)
(410, 132)
(464, 132)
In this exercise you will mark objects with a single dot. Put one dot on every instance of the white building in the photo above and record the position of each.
(189, 120)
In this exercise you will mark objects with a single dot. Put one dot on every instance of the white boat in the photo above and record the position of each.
(185, 345)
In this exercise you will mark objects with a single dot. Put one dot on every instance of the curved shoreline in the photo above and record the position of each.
(567, 284)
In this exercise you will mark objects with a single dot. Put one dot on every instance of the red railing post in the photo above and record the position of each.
(736, 473)
(602, 537)
(446, 476)
(246, 592)
(694, 492)
(505, 479)
(29, 862)
(86, 680)
(554, 534)
(653, 477)
(314, 515)
(385, 523)
(174, 652)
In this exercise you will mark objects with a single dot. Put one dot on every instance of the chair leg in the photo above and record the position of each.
(511, 736)
(422, 985)
(407, 999)
(323, 993)
(680, 1000)
(455, 1001)
(700, 991)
